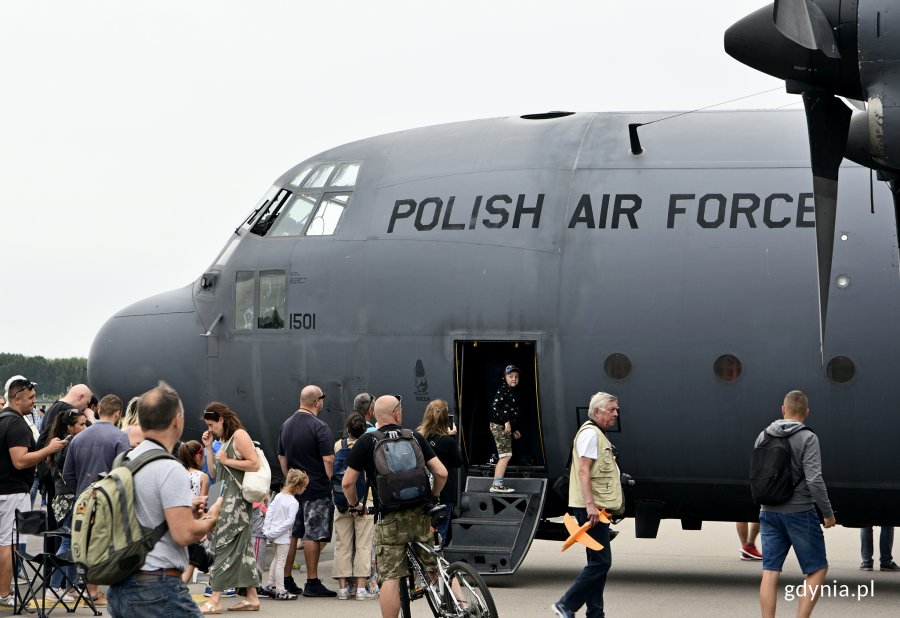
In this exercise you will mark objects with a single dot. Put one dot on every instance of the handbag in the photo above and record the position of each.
(255, 486)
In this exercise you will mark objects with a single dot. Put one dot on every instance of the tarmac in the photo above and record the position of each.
(680, 573)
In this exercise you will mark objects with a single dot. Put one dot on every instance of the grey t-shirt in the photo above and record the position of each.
(158, 486)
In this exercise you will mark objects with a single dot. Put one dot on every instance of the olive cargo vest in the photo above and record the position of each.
(605, 484)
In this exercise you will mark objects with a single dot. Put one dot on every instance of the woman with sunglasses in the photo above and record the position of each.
(234, 565)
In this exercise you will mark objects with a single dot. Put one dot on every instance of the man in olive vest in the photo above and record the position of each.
(594, 484)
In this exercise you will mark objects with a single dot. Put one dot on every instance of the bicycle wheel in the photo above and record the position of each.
(405, 612)
(467, 596)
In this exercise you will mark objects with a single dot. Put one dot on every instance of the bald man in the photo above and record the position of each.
(393, 528)
(306, 443)
(78, 397)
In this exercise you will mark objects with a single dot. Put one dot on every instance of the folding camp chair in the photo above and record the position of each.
(36, 570)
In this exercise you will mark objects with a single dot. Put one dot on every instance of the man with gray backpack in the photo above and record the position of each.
(394, 460)
(788, 502)
(145, 559)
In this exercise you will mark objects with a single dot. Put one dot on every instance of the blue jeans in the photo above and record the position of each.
(801, 531)
(885, 544)
(151, 597)
(64, 551)
(587, 589)
(444, 528)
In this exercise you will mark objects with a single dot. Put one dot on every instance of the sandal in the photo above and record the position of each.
(209, 608)
(244, 606)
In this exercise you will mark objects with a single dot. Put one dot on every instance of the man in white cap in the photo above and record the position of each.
(18, 457)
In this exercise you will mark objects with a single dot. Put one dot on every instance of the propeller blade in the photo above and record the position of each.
(804, 23)
(828, 122)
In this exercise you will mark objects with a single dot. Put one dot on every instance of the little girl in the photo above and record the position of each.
(279, 520)
(191, 455)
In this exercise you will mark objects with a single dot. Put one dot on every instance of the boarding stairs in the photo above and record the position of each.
(494, 531)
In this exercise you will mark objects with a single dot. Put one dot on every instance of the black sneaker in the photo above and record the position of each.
(291, 586)
(892, 566)
(561, 610)
(865, 566)
(315, 588)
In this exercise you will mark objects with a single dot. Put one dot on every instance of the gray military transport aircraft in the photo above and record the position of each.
(671, 264)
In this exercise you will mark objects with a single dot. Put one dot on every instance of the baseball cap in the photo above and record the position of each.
(511, 369)
(19, 378)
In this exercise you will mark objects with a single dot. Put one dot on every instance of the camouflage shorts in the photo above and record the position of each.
(392, 534)
(314, 521)
(502, 439)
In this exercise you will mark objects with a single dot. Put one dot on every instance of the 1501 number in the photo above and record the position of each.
(303, 321)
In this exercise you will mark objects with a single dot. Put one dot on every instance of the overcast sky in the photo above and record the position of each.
(135, 136)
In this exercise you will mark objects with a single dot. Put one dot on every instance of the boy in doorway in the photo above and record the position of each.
(504, 417)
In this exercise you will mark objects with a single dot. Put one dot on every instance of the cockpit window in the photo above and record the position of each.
(319, 177)
(259, 302)
(243, 299)
(270, 208)
(271, 299)
(311, 204)
(301, 176)
(328, 214)
(345, 176)
(296, 216)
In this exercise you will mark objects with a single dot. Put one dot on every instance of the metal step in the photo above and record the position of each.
(494, 531)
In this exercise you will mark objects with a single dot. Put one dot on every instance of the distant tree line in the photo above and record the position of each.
(53, 375)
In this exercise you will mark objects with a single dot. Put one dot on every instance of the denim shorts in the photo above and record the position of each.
(152, 597)
(802, 531)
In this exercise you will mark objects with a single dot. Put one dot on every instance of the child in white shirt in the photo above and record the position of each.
(279, 521)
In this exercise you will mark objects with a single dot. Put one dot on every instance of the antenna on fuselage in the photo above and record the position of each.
(634, 138)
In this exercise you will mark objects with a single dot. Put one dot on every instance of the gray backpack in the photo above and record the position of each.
(401, 477)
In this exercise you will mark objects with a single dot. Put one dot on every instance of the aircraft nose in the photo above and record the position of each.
(155, 339)
(756, 42)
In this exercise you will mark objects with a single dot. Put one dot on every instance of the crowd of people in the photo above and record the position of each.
(210, 524)
(338, 490)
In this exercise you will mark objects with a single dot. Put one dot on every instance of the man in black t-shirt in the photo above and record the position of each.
(18, 457)
(306, 443)
(392, 530)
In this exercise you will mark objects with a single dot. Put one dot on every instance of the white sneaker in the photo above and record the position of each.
(343, 594)
(365, 595)
(64, 595)
(501, 489)
(8, 601)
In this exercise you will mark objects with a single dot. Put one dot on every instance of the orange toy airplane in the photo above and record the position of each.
(579, 534)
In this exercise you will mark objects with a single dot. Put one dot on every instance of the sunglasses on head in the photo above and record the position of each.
(25, 387)
(209, 415)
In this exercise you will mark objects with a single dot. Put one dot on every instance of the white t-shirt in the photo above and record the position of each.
(586, 444)
(161, 485)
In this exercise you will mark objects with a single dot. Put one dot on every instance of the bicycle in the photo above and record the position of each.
(452, 590)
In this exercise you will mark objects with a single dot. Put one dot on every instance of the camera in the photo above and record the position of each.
(200, 557)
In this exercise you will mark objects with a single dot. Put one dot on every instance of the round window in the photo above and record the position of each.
(617, 366)
(840, 369)
(728, 367)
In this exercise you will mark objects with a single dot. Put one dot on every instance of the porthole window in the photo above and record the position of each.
(728, 368)
(840, 369)
(617, 366)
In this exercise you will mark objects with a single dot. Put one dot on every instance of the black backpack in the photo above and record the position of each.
(400, 474)
(340, 466)
(771, 479)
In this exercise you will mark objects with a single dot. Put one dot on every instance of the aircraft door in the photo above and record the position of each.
(480, 367)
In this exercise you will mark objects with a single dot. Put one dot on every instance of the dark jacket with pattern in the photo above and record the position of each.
(505, 406)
